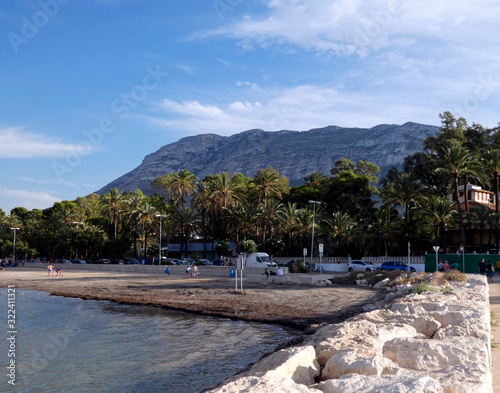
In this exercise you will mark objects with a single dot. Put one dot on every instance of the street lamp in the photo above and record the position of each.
(436, 249)
(14, 246)
(159, 251)
(312, 240)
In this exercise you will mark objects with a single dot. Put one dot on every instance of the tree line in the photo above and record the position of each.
(354, 212)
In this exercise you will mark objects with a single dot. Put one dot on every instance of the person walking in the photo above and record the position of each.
(489, 272)
(482, 267)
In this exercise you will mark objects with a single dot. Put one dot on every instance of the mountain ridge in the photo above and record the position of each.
(295, 154)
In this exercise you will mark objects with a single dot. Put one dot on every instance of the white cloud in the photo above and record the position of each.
(346, 27)
(297, 108)
(10, 199)
(17, 143)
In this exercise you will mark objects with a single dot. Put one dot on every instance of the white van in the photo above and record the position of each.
(259, 259)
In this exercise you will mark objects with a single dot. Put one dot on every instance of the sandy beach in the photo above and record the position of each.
(298, 306)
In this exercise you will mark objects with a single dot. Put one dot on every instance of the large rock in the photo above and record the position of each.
(352, 362)
(431, 355)
(298, 364)
(355, 383)
(266, 384)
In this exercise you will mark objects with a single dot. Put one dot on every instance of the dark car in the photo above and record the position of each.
(396, 265)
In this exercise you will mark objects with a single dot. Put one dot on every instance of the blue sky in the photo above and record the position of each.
(89, 87)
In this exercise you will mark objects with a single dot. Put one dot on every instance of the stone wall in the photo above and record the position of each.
(436, 341)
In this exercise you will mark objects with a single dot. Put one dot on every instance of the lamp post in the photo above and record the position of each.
(14, 246)
(159, 251)
(312, 237)
(436, 249)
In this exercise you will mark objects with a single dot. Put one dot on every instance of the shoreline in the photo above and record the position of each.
(297, 307)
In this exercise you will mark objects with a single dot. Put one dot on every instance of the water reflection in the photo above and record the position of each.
(67, 344)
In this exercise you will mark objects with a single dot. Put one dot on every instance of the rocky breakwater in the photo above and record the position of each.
(434, 341)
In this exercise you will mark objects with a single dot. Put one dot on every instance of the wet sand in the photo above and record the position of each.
(297, 306)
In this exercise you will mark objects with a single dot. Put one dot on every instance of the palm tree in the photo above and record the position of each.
(186, 221)
(224, 190)
(147, 218)
(340, 227)
(182, 185)
(404, 190)
(315, 179)
(493, 166)
(111, 204)
(267, 216)
(441, 212)
(384, 227)
(268, 184)
(456, 163)
(481, 218)
(288, 218)
(201, 201)
(132, 207)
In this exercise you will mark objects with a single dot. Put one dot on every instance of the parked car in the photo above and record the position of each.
(205, 262)
(81, 261)
(361, 265)
(131, 261)
(396, 265)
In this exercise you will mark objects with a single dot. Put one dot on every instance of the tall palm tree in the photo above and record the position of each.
(224, 190)
(268, 184)
(288, 218)
(111, 204)
(186, 221)
(132, 207)
(493, 166)
(455, 163)
(441, 212)
(341, 227)
(315, 179)
(404, 190)
(267, 216)
(384, 227)
(201, 201)
(147, 218)
(182, 185)
(481, 218)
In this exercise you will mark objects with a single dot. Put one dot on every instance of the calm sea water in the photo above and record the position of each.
(74, 345)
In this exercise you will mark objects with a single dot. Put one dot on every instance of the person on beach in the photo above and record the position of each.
(188, 271)
(446, 267)
(166, 270)
(196, 272)
(454, 265)
(266, 273)
(280, 272)
(489, 272)
(58, 272)
(50, 269)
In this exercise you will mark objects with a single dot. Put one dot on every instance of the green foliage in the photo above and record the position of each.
(421, 287)
(247, 246)
(222, 247)
(273, 246)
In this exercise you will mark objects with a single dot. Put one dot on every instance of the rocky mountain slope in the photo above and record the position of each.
(294, 153)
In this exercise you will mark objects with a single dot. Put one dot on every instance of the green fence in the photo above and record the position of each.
(469, 260)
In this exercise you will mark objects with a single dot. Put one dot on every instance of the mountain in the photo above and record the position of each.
(294, 153)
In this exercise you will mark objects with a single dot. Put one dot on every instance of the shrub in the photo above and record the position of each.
(421, 287)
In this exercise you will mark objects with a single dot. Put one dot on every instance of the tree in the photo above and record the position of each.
(111, 204)
(268, 184)
(404, 190)
(341, 227)
(186, 220)
(456, 163)
(493, 166)
(442, 214)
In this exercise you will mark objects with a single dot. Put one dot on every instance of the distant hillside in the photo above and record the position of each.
(294, 153)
